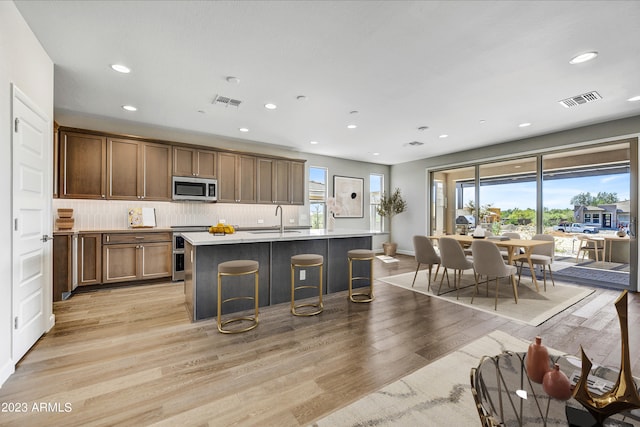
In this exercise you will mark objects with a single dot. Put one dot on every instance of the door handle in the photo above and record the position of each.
(46, 238)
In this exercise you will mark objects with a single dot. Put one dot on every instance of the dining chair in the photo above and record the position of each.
(511, 235)
(425, 253)
(452, 256)
(590, 245)
(542, 255)
(488, 261)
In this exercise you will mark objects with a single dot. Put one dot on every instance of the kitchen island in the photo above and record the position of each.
(273, 250)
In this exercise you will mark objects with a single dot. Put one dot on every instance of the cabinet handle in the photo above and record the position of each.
(103, 196)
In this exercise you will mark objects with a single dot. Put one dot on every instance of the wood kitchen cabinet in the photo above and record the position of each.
(192, 162)
(136, 256)
(236, 178)
(89, 259)
(64, 261)
(138, 170)
(280, 181)
(83, 164)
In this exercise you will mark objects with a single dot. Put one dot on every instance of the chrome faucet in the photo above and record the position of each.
(281, 223)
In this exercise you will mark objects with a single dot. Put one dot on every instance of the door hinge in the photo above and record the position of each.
(15, 126)
(15, 224)
(15, 323)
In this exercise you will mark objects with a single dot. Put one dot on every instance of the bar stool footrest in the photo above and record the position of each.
(253, 320)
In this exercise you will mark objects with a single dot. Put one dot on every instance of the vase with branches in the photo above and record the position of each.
(390, 206)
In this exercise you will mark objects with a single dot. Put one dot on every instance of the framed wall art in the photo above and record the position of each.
(348, 193)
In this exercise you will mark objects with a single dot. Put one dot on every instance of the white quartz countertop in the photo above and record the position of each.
(205, 238)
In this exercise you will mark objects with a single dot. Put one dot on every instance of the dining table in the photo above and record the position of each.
(513, 247)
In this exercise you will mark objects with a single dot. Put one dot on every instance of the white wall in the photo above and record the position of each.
(23, 62)
(411, 176)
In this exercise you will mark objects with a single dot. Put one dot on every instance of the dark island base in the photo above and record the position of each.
(201, 275)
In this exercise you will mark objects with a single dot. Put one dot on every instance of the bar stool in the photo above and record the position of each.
(360, 255)
(306, 260)
(239, 267)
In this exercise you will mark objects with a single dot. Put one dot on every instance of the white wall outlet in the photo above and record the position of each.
(292, 221)
(303, 274)
(222, 221)
(261, 221)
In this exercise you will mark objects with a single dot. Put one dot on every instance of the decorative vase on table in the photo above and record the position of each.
(331, 222)
(556, 384)
(537, 361)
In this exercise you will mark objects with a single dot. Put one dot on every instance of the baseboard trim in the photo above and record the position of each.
(6, 371)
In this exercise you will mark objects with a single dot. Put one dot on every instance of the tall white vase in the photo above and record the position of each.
(331, 222)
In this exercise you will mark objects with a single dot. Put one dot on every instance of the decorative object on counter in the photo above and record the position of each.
(333, 209)
(556, 384)
(142, 217)
(348, 193)
(389, 207)
(537, 361)
(65, 219)
(624, 395)
(221, 229)
(478, 233)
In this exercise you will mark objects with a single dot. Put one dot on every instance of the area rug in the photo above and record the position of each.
(438, 394)
(533, 308)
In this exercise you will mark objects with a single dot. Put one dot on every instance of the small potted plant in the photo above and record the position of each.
(389, 207)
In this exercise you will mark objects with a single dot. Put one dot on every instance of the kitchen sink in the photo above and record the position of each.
(273, 231)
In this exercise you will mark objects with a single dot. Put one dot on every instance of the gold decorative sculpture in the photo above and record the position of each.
(623, 396)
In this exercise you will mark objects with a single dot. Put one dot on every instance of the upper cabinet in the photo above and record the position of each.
(83, 165)
(96, 165)
(193, 162)
(236, 178)
(138, 170)
(280, 181)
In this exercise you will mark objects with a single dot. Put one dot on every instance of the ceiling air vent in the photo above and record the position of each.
(223, 100)
(574, 101)
(416, 143)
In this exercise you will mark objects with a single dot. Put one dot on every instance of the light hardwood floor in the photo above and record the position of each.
(130, 356)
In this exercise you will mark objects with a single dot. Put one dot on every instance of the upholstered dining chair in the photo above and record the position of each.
(511, 235)
(487, 261)
(542, 255)
(452, 256)
(425, 253)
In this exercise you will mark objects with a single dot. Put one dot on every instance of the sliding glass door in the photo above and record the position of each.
(574, 194)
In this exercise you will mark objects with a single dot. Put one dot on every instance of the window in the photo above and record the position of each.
(376, 183)
(317, 196)
(587, 217)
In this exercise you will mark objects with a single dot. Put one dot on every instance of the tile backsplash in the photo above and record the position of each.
(112, 214)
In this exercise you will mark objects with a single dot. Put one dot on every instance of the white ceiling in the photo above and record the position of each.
(442, 64)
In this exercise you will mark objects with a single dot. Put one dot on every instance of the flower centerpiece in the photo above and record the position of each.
(333, 209)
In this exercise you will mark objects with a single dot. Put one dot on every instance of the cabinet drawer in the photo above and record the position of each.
(114, 238)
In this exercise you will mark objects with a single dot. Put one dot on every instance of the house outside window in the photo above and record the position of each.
(317, 196)
(376, 184)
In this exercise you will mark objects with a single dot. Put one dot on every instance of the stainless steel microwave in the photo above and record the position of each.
(195, 189)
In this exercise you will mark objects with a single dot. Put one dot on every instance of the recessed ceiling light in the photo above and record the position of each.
(129, 108)
(233, 80)
(376, 154)
(202, 112)
(354, 112)
(483, 122)
(270, 106)
(583, 57)
(524, 125)
(313, 142)
(243, 129)
(120, 68)
(352, 126)
(301, 98)
(444, 135)
(423, 128)
(634, 98)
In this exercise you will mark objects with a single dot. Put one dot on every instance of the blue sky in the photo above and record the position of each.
(556, 193)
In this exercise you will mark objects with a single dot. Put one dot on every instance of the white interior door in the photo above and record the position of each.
(31, 206)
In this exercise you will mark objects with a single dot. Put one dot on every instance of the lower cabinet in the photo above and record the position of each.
(89, 259)
(135, 256)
